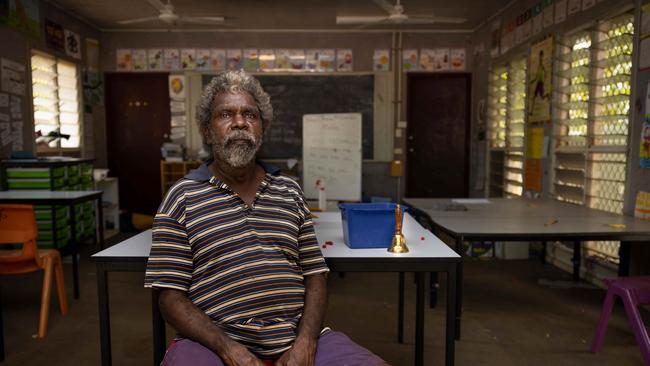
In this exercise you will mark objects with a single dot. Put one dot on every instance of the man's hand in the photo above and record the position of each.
(238, 355)
(302, 353)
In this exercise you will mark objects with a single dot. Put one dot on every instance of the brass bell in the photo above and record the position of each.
(399, 242)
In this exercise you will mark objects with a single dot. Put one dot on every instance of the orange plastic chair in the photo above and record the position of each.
(18, 226)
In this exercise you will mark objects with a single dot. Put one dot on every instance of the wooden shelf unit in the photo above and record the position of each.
(172, 171)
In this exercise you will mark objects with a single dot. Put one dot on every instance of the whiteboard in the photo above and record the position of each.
(331, 151)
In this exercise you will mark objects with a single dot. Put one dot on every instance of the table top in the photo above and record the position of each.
(534, 217)
(422, 243)
(37, 195)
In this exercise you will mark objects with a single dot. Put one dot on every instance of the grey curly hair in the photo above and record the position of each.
(231, 82)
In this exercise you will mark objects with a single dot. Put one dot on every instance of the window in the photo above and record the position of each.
(56, 101)
(591, 129)
(507, 99)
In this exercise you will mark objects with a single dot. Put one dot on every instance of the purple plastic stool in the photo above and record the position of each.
(634, 291)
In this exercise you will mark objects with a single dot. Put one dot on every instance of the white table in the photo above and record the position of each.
(521, 219)
(427, 254)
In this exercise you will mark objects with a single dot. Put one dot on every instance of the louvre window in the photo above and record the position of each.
(56, 101)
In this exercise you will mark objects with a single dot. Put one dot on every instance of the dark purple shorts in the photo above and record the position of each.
(334, 349)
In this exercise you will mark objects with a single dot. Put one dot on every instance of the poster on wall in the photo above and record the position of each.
(72, 44)
(547, 13)
(327, 60)
(24, 16)
(217, 60)
(410, 60)
(297, 59)
(54, 36)
(251, 59)
(560, 11)
(457, 56)
(642, 206)
(427, 59)
(381, 60)
(533, 175)
(441, 59)
(203, 59)
(311, 60)
(574, 6)
(267, 59)
(92, 55)
(172, 59)
(344, 59)
(155, 58)
(539, 81)
(283, 59)
(177, 87)
(123, 60)
(188, 58)
(233, 59)
(644, 148)
(139, 57)
(12, 77)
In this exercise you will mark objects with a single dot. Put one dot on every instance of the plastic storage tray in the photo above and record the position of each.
(368, 225)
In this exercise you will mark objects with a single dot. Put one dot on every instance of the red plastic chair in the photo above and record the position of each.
(18, 226)
(634, 291)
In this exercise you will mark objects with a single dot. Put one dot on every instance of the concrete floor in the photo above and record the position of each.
(508, 319)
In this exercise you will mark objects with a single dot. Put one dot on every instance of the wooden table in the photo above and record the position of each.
(426, 255)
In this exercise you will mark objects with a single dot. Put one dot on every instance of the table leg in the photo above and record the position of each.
(419, 319)
(433, 289)
(543, 256)
(459, 285)
(104, 314)
(624, 254)
(159, 337)
(75, 249)
(576, 259)
(100, 222)
(450, 342)
(400, 309)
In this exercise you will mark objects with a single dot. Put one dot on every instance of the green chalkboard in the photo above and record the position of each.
(293, 96)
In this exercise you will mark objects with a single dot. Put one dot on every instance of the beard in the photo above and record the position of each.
(237, 149)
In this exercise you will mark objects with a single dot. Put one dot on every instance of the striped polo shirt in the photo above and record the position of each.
(243, 266)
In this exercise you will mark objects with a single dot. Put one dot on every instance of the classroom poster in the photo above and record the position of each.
(535, 143)
(547, 13)
(539, 81)
(311, 60)
(123, 59)
(427, 59)
(344, 59)
(381, 60)
(72, 44)
(267, 59)
(251, 59)
(574, 6)
(533, 175)
(92, 55)
(188, 58)
(217, 60)
(54, 36)
(644, 148)
(233, 59)
(139, 57)
(560, 11)
(203, 59)
(177, 87)
(297, 59)
(172, 59)
(12, 77)
(155, 58)
(326, 60)
(457, 57)
(283, 59)
(642, 206)
(441, 59)
(410, 60)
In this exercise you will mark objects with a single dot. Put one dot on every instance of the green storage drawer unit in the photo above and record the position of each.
(50, 234)
(87, 169)
(36, 173)
(74, 171)
(45, 212)
(50, 244)
(73, 180)
(36, 183)
(49, 224)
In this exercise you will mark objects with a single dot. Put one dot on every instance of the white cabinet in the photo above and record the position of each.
(110, 207)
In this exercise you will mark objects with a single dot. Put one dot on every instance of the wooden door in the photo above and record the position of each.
(438, 115)
(137, 123)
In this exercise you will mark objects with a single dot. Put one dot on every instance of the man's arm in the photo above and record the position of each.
(303, 350)
(194, 324)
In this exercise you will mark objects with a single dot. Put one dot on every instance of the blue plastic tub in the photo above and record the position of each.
(368, 225)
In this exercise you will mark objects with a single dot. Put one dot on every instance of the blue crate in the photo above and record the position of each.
(368, 225)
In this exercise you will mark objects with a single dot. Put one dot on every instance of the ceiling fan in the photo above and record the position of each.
(168, 16)
(396, 16)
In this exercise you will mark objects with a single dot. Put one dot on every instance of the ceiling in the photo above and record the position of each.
(277, 14)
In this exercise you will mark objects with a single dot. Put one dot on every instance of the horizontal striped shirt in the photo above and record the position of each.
(243, 266)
